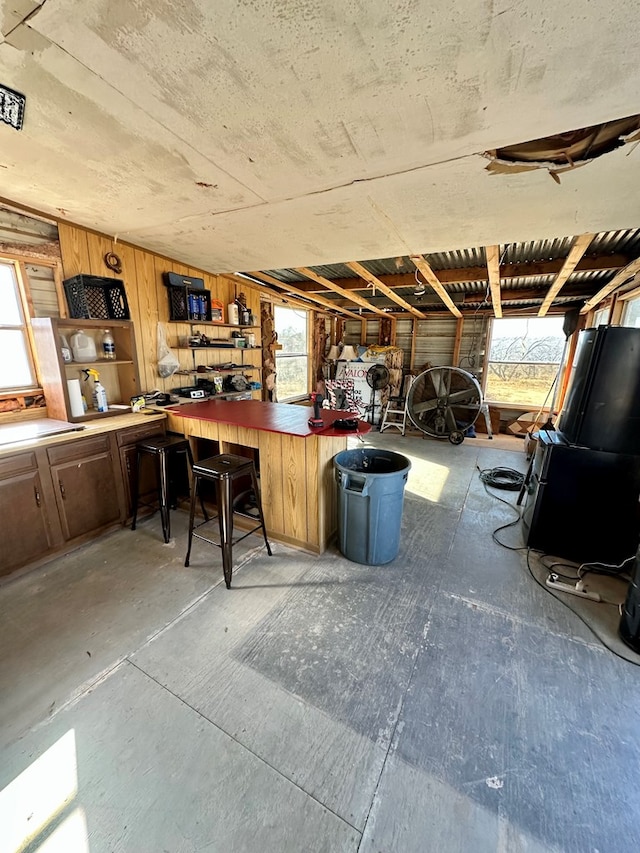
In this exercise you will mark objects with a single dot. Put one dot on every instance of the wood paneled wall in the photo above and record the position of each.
(83, 251)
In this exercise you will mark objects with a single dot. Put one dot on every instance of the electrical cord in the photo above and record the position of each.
(500, 479)
(580, 617)
(503, 478)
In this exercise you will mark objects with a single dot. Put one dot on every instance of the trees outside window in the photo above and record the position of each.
(524, 358)
(292, 361)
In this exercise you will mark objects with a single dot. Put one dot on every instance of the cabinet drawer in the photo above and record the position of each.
(135, 434)
(79, 449)
(18, 464)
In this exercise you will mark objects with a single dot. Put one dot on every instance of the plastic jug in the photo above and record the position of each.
(83, 346)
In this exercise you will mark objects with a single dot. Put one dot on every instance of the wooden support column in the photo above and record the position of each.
(414, 327)
(363, 332)
(457, 341)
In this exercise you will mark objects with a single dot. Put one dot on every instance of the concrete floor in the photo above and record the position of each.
(440, 703)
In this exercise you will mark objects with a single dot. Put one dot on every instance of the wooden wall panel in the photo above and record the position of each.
(83, 251)
(294, 466)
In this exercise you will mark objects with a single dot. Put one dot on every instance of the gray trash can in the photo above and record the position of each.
(370, 497)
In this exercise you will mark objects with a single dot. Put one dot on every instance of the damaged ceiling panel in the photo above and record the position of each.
(564, 151)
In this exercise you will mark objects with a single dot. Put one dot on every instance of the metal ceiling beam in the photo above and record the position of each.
(431, 278)
(311, 297)
(382, 287)
(616, 282)
(352, 297)
(493, 269)
(580, 246)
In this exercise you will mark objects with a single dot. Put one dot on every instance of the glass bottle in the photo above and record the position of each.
(108, 345)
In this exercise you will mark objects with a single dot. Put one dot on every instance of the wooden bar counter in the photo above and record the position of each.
(296, 468)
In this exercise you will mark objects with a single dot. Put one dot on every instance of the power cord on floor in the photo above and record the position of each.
(503, 478)
(580, 617)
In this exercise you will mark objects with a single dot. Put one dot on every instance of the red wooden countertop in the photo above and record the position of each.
(284, 418)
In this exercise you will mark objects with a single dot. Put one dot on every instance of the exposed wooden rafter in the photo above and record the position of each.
(467, 275)
(493, 269)
(421, 264)
(352, 297)
(382, 287)
(580, 246)
(630, 294)
(616, 282)
(311, 297)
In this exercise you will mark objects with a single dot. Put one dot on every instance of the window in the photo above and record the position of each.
(16, 365)
(292, 361)
(631, 314)
(524, 358)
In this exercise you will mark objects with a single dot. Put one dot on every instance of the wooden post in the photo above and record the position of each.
(414, 326)
(457, 341)
(363, 332)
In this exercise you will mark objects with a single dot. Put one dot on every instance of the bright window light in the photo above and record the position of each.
(16, 369)
(524, 358)
(39, 794)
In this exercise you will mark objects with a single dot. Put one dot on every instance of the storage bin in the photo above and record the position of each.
(370, 500)
(93, 297)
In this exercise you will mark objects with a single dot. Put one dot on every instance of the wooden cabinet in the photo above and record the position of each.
(88, 495)
(119, 376)
(127, 439)
(26, 528)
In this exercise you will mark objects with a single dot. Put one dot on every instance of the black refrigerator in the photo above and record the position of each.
(602, 407)
(584, 488)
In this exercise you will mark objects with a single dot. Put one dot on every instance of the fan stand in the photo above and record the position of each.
(378, 377)
(443, 402)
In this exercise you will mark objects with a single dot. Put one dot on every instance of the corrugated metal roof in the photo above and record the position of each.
(624, 242)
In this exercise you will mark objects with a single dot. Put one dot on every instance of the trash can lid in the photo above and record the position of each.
(370, 460)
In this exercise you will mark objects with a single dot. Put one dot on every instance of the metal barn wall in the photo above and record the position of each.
(18, 235)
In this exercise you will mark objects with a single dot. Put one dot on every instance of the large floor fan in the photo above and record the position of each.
(444, 402)
(378, 377)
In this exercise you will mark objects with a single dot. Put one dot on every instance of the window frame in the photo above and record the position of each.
(280, 355)
(625, 311)
(516, 405)
(26, 314)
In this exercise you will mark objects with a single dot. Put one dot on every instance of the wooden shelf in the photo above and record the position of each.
(220, 349)
(213, 323)
(215, 369)
(119, 376)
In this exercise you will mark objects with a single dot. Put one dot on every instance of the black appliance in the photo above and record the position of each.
(630, 620)
(602, 406)
(582, 504)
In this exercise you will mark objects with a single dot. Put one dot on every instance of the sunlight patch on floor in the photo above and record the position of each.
(39, 794)
(426, 479)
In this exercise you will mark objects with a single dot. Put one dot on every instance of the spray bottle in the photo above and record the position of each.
(99, 394)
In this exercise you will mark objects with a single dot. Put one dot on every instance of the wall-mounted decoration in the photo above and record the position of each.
(113, 262)
(12, 105)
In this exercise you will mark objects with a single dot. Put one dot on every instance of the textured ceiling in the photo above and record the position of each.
(282, 133)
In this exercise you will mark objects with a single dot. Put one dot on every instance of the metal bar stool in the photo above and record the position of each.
(223, 470)
(160, 449)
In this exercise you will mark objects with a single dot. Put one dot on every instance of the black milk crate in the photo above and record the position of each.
(94, 297)
(189, 303)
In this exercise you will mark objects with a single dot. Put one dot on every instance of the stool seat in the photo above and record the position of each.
(222, 470)
(223, 465)
(160, 448)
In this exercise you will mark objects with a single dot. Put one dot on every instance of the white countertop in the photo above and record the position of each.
(23, 435)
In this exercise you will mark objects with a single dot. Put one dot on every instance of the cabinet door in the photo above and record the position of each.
(24, 528)
(85, 486)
